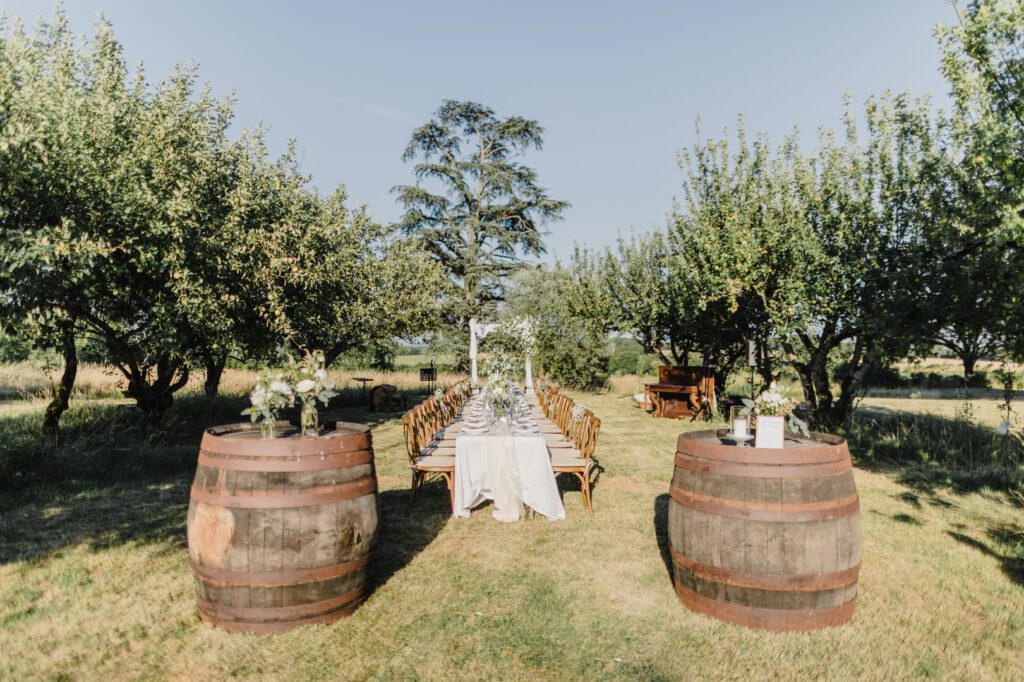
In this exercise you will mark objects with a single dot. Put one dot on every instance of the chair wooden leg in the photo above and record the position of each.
(413, 489)
(585, 490)
(451, 490)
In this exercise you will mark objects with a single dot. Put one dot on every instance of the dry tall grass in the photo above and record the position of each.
(24, 380)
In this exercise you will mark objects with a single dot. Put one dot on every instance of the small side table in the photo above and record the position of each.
(362, 388)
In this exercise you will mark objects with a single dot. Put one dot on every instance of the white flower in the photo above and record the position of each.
(258, 398)
(280, 387)
(1003, 428)
(305, 386)
(321, 375)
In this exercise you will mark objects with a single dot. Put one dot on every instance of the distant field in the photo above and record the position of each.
(423, 360)
(950, 366)
(28, 381)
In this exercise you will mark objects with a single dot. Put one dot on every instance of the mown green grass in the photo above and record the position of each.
(94, 577)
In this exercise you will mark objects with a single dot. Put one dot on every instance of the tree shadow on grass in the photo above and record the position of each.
(404, 533)
(932, 453)
(112, 480)
(100, 516)
(156, 512)
(1009, 538)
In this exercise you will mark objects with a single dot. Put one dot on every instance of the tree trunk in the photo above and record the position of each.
(825, 412)
(154, 399)
(214, 372)
(969, 360)
(62, 393)
(865, 355)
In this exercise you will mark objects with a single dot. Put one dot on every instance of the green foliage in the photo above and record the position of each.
(984, 62)
(571, 346)
(128, 217)
(14, 348)
(819, 258)
(485, 210)
(378, 356)
(628, 357)
(1009, 380)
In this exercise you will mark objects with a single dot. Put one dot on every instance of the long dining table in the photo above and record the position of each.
(503, 458)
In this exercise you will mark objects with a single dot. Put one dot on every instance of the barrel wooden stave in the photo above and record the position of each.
(275, 549)
(764, 544)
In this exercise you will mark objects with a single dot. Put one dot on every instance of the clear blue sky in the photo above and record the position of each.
(616, 85)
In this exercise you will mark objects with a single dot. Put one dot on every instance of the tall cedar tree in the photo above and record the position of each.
(487, 211)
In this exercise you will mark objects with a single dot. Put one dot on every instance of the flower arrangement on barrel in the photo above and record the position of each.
(770, 409)
(276, 389)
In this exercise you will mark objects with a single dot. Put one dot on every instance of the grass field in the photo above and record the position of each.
(95, 584)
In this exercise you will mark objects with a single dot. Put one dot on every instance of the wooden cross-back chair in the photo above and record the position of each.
(552, 410)
(564, 418)
(550, 397)
(427, 457)
(579, 461)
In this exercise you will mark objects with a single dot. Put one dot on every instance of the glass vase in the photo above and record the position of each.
(309, 420)
(267, 428)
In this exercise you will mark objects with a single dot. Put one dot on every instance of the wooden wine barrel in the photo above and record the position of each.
(767, 538)
(281, 531)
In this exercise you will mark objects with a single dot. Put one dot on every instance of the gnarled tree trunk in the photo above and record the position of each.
(214, 371)
(62, 392)
(155, 397)
(825, 411)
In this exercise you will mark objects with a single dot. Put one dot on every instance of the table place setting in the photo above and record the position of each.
(501, 455)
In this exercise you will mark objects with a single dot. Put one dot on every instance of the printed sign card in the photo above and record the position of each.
(771, 432)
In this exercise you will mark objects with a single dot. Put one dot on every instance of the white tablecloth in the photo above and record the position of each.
(476, 455)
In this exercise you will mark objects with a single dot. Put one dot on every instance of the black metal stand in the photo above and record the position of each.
(429, 375)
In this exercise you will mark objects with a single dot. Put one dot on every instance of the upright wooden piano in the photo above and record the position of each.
(679, 390)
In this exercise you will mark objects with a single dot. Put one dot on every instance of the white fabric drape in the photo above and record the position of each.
(484, 470)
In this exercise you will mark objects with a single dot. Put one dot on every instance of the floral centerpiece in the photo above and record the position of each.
(271, 394)
(773, 403)
(312, 383)
(773, 406)
(501, 399)
(276, 390)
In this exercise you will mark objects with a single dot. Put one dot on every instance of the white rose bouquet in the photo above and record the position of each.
(501, 399)
(312, 383)
(773, 403)
(270, 395)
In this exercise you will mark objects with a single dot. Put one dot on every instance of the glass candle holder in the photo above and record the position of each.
(739, 421)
